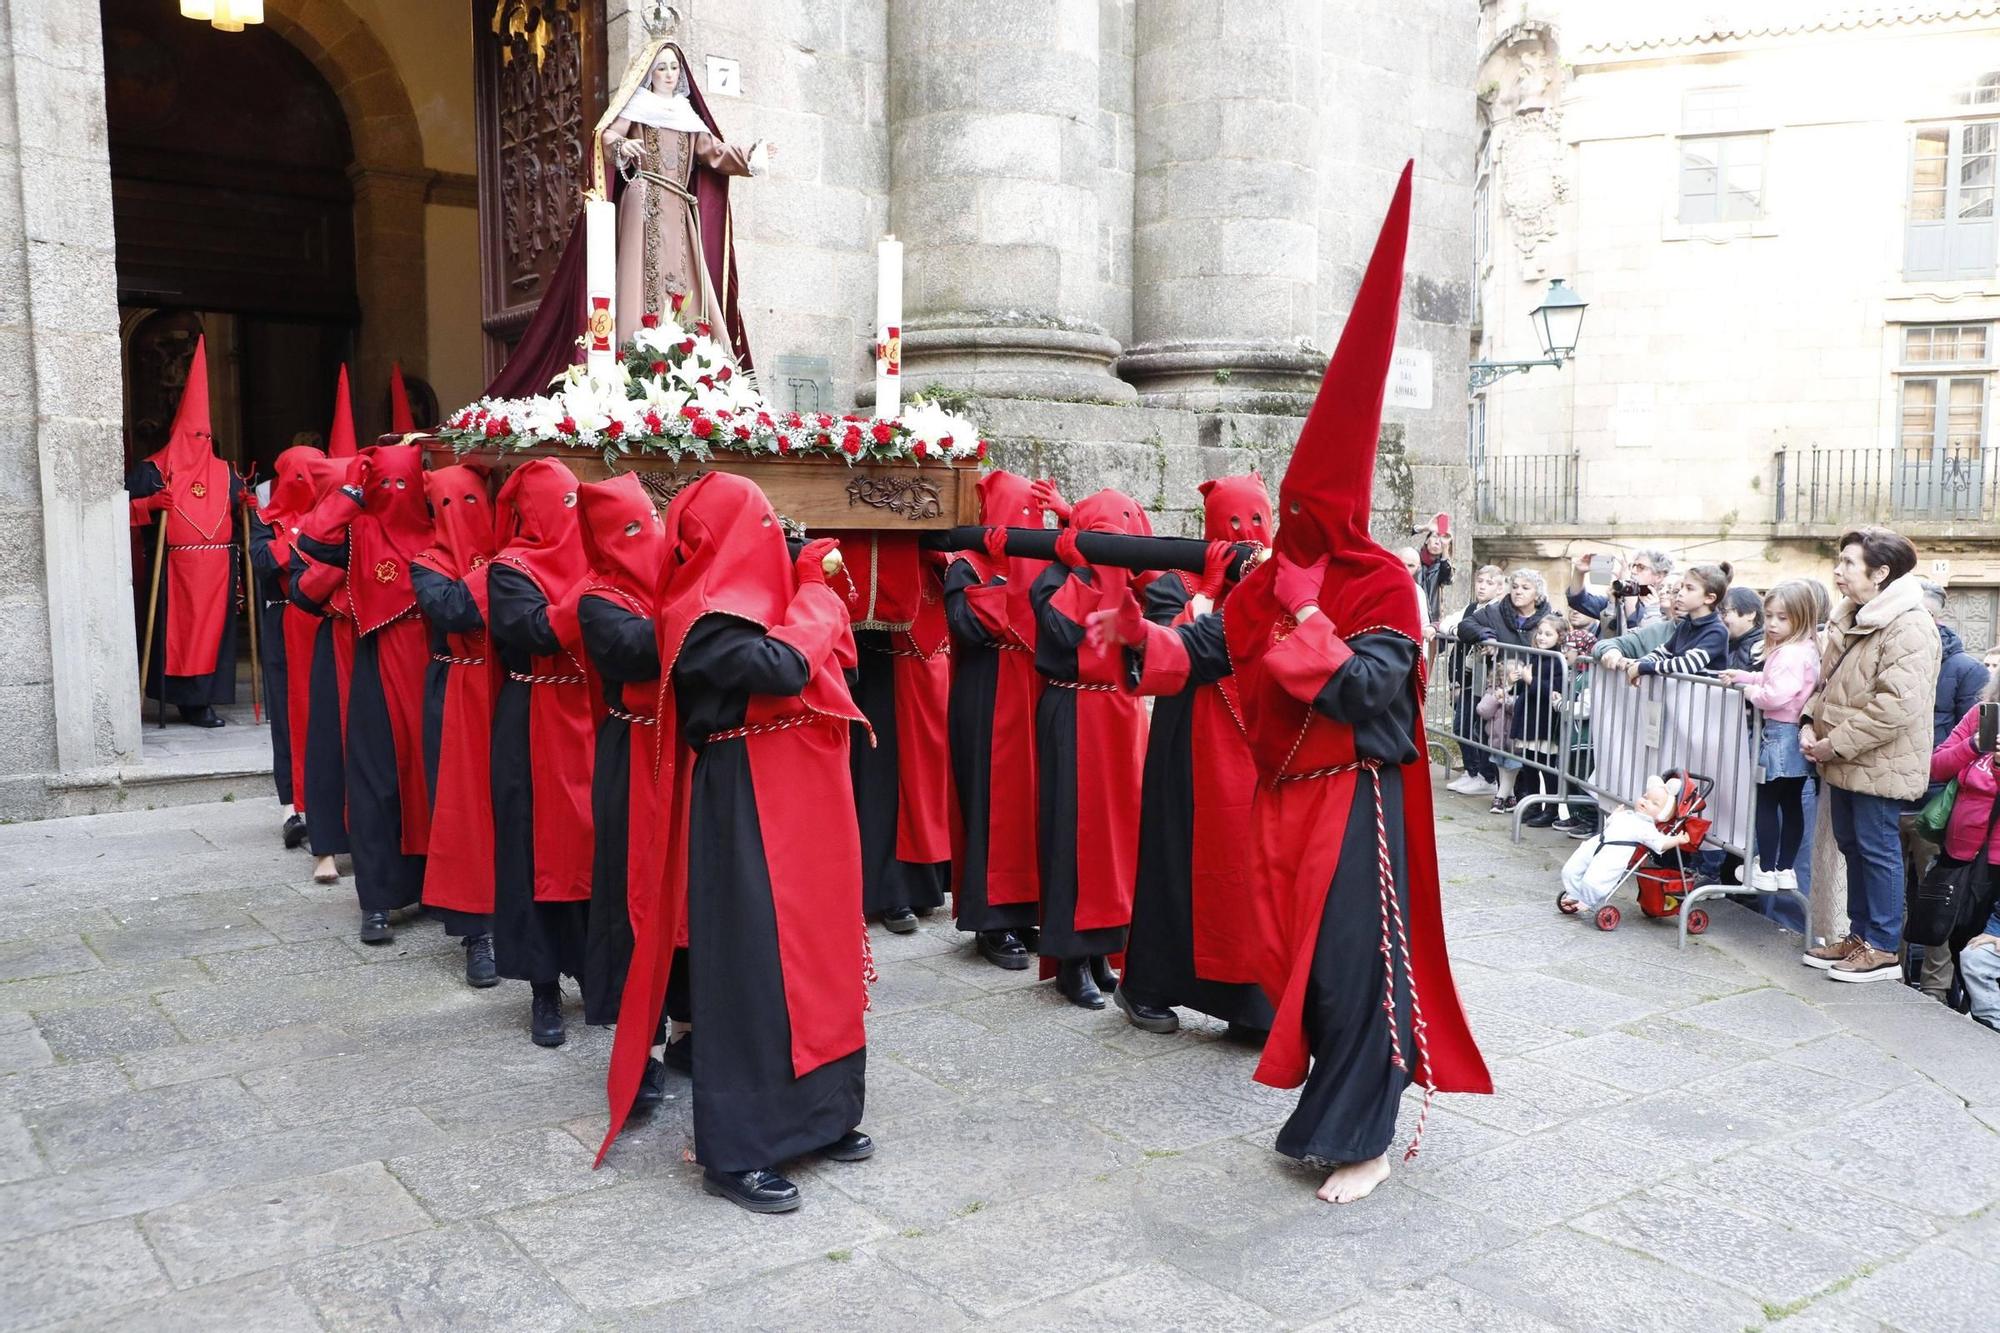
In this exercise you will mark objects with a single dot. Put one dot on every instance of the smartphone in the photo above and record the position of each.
(1989, 726)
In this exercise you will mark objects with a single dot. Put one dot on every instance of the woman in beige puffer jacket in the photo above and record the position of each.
(1868, 727)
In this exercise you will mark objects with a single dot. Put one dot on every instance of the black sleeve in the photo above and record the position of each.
(965, 627)
(619, 642)
(1164, 598)
(1056, 628)
(144, 480)
(262, 559)
(445, 602)
(1472, 627)
(325, 553)
(734, 656)
(518, 613)
(1377, 676)
(1208, 653)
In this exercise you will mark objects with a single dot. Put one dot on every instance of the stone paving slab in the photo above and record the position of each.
(219, 1110)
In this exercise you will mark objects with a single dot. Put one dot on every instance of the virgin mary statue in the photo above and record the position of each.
(672, 170)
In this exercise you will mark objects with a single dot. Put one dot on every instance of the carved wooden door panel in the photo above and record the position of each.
(539, 88)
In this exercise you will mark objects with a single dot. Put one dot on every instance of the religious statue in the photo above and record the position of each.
(675, 247)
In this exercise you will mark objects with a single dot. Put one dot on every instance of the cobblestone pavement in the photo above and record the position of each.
(219, 1110)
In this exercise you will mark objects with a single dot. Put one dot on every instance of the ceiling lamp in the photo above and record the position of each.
(226, 15)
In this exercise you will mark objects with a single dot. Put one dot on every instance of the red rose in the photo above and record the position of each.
(680, 299)
(659, 367)
(687, 347)
(567, 425)
(724, 374)
(690, 411)
(981, 455)
(650, 319)
(703, 427)
(883, 432)
(918, 448)
(614, 430)
(702, 328)
(706, 381)
(945, 443)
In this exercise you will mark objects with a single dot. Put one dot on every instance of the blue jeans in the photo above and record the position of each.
(1865, 828)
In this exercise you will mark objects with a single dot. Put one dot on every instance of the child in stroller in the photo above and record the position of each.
(1645, 839)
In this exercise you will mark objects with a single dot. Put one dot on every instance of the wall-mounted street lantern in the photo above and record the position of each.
(1557, 320)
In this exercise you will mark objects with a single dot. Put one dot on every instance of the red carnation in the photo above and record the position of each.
(918, 448)
(793, 420)
(945, 443)
(659, 367)
(852, 444)
(650, 319)
(614, 430)
(742, 432)
(883, 432)
(784, 444)
(764, 420)
(653, 422)
(703, 427)
(690, 411)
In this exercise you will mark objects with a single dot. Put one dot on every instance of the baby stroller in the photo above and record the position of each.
(1664, 878)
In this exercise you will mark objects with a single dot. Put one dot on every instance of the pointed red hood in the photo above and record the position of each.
(400, 420)
(623, 538)
(299, 478)
(340, 436)
(1111, 511)
(1327, 494)
(194, 477)
(537, 527)
(462, 517)
(1236, 509)
(391, 530)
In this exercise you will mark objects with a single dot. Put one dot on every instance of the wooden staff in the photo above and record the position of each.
(152, 617)
(250, 600)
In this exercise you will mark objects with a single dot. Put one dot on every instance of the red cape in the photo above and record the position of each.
(728, 558)
(393, 527)
(301, 477)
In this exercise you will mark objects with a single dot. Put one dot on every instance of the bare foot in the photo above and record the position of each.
(1353, 1181)
(324, 871)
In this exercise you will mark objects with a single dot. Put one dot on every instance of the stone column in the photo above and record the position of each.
(69, 684)
(995, 148)
(1225, 241)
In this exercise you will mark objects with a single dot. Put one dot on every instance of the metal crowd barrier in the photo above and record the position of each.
(1595, 736)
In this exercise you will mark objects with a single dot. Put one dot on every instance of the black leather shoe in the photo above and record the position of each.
(1030, 937)
(899, 920)
(1245, 1035)
(202, 716)
(759, 1191)
(853, 1146)
(375, 928)
(1101, 973)
(1542, 816)
(1003, 949)
(295, 832)
(679, 1055)
(1073, 979)
(479, 970)
(1147, 1017)
(652, 1088)
(546, 1025)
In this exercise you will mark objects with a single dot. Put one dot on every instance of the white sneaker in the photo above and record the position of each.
(1482, 787)
(1763, 881)
(1788, 880)
(1462, 784)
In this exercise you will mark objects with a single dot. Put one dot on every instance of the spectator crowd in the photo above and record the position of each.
(1869, 708)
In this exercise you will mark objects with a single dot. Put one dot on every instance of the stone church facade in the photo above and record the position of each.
(1132, 229)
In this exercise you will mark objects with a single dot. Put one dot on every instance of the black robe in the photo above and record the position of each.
(975, 680)
(270, 602)
(326, 759)
(217, 686)
(448, 609)
(385, 878)
(535, 942)
(1159, 956)
(886, 883)
(749, 1110)
(622, 648)
(1347, 1108)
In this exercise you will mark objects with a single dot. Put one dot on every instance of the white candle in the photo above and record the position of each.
(600, 285)
(889, 327)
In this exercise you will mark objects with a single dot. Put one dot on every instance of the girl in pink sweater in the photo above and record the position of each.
(1779, 692)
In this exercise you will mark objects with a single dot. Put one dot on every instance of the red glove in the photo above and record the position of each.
(1215, 569)
(1297, 586)
(1045, 496)
(996, 544)
(811, 566)
(1066, 550)
(1124, 623)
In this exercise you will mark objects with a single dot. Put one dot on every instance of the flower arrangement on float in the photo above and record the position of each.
(677, 392)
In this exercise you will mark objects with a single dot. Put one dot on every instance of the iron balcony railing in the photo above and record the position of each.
(1526, 489)
(1942, 485)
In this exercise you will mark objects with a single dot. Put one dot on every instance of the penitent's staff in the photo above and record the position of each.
(152, 619)
(1110, 549)
(250, 601)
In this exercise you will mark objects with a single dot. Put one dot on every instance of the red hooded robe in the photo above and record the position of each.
(201, 559)
(459, 874)
(301, 477)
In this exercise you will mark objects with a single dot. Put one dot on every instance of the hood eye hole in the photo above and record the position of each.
(569, 500)
(445, 501)
(632, 528)
(1235, 522)
(1293, 508)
